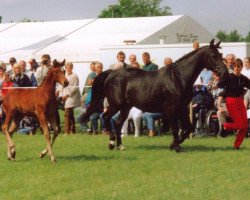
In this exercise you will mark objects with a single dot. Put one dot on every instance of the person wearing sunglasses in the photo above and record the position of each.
(234, 85)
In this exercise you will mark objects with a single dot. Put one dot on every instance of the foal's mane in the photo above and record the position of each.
(188, 55)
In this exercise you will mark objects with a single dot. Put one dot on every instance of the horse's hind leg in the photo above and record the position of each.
(11, 152)
(186, 126)
(175, 129)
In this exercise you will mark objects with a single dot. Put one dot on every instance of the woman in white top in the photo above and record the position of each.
(71, 96)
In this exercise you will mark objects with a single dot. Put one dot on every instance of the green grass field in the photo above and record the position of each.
(86, 169)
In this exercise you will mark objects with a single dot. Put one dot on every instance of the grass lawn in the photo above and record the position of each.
(86, 169)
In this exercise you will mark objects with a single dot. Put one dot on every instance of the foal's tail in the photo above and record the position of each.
(98, 95)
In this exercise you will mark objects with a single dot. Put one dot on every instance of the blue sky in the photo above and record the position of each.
(214, 15)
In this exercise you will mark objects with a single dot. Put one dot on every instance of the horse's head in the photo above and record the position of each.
(213, 59)
(59, 73)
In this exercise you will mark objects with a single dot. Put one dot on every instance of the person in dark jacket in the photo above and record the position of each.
(202, 102)
(19, 78)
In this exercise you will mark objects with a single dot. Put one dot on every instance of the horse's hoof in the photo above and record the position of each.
(121, 148)
(53, 161)
(111, 145)
(13, 154)
(11, 159)
(179, 150)
(42, 155)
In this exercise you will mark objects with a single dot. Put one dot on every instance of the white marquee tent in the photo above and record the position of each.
(80, 41)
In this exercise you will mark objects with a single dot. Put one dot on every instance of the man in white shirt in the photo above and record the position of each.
(43, 69)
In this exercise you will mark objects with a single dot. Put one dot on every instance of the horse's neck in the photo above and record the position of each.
(49, 85)
(189, 71)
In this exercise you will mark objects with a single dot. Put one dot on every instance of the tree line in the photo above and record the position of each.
(143, 8)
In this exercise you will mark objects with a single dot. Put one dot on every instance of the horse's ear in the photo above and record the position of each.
(212, 43)
(63, 62)
(55, 63)
(217, 45)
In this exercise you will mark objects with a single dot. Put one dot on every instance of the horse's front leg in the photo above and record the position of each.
(119, 123)
(175, 129)
(46, 133)
(109, 122)
(53, 120)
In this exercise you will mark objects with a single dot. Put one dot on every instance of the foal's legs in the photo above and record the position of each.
(11, 152)
(46, 133)
(54, 123)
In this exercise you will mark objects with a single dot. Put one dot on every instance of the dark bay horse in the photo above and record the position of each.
(167, 90)
(38, 102)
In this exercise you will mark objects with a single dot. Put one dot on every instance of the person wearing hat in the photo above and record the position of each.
(43, 69)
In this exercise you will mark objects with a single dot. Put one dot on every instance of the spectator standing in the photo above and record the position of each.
(12, 62)
(42, 71)
(132, 59)
(234, 85)
(230, 60)
(196, 45)
(206, 76)
(88, 83)
(33, 65)
(148, 65)
(168, 61)
(71, 96)
(29, 73)
(120, 58)
(95, 116)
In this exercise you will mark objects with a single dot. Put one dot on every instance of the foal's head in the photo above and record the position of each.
(213, 59)
(59, 73)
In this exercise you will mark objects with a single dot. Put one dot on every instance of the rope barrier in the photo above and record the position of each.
(37, 87)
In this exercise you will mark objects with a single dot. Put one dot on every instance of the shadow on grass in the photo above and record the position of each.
(201, 148)
(95, 158)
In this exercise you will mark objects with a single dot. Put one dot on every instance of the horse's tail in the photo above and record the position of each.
(98, 95)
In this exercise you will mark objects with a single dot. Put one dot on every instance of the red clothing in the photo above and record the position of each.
(6, 84)
(238, 113)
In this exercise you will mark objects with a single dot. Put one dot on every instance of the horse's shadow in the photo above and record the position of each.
(193, 148)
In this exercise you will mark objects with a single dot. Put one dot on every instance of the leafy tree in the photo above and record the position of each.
(136, 8)
(247, 38)
(221, 35)
(26, 19)
(1, 19)
(234, 36)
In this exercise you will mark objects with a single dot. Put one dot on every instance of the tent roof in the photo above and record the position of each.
(75, 37)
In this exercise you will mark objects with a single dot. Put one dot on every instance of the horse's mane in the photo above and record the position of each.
(188, 55)
(50, 69)
(45, 77)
